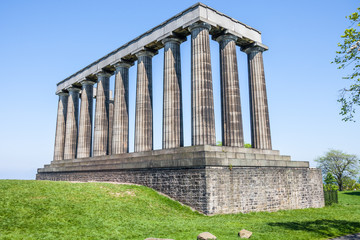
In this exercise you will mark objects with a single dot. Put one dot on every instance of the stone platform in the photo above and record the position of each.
(211, 179)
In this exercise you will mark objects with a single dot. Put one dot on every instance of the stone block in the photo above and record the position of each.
(205, 236)
(245, 234)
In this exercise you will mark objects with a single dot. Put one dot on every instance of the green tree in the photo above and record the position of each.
(339, 164)
(247, 145)
(330, 182)
(349, 56)
(350, 184)
(329, 179)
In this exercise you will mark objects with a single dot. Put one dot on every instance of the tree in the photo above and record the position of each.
(247, 145)
(349, 56)
(339, 164)
(350, 184)
(330, 182)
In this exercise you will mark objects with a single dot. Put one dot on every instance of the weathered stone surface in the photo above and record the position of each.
(120, 133)
(84, 148)
(60, 126)
(205, 236)
(101, 128)
(245, 234)
(196, 176)
(231, 118)
(72, 124)
(260, 124)
(202, 102)
(111, 121)
(172, 107)
(144, 103)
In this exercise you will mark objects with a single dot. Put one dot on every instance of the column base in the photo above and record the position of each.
(211, 179)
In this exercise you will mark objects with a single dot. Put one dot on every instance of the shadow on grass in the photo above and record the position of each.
(353, 193)
(324, 227)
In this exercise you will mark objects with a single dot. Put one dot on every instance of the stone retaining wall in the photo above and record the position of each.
(214, 190)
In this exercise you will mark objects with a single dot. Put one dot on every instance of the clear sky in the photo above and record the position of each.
(43, 42)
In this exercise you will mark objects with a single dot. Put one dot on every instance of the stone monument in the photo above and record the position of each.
(212, 179)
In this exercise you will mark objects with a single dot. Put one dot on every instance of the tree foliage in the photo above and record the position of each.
(341, 165)
(349, 57)
(330, 182)
(247, 145)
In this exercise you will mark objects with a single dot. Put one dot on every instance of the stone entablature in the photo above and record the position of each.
(153, 38)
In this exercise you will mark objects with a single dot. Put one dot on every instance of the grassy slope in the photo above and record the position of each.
(62, 210)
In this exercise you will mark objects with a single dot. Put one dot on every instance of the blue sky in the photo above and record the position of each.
(43, 42)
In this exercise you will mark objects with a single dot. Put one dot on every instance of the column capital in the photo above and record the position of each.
(254, 47)
(103, 74)
(226, 36)
(174, 39)
(199, 25)
(123, 64)
(146, 52)
(63, 93)
(87, 82)
(74, 89)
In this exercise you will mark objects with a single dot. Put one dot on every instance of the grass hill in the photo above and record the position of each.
(64, 210)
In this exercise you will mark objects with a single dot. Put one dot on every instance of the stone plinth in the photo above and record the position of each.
(211, 179)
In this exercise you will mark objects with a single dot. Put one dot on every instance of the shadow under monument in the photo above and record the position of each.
(324, 227)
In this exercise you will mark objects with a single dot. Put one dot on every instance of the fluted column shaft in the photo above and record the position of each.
(202, 102)
(72, 124)
(144, 104)
(172, 106)
(86, 118)
(232, 127)
(60, 126)
(120, 134)
(260, 125)
(101, 128)
(111, 123)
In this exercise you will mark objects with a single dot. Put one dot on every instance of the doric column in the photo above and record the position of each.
(61, 126)
(120, 137)
(111, 122)
(144, 105)
(260, 125)
(202, 102)
(86, 118)
(232, 128)
(101, 128)
(72, 117)
(172, 106)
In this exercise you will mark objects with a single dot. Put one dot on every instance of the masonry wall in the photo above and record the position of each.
(263, 189)
(187, 186)
(214, 190)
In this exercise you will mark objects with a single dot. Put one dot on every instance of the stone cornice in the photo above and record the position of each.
(176, 25)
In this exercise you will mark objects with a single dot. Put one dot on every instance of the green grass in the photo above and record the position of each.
(63, 210)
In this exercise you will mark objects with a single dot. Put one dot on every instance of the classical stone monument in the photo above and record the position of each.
(212, 179)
